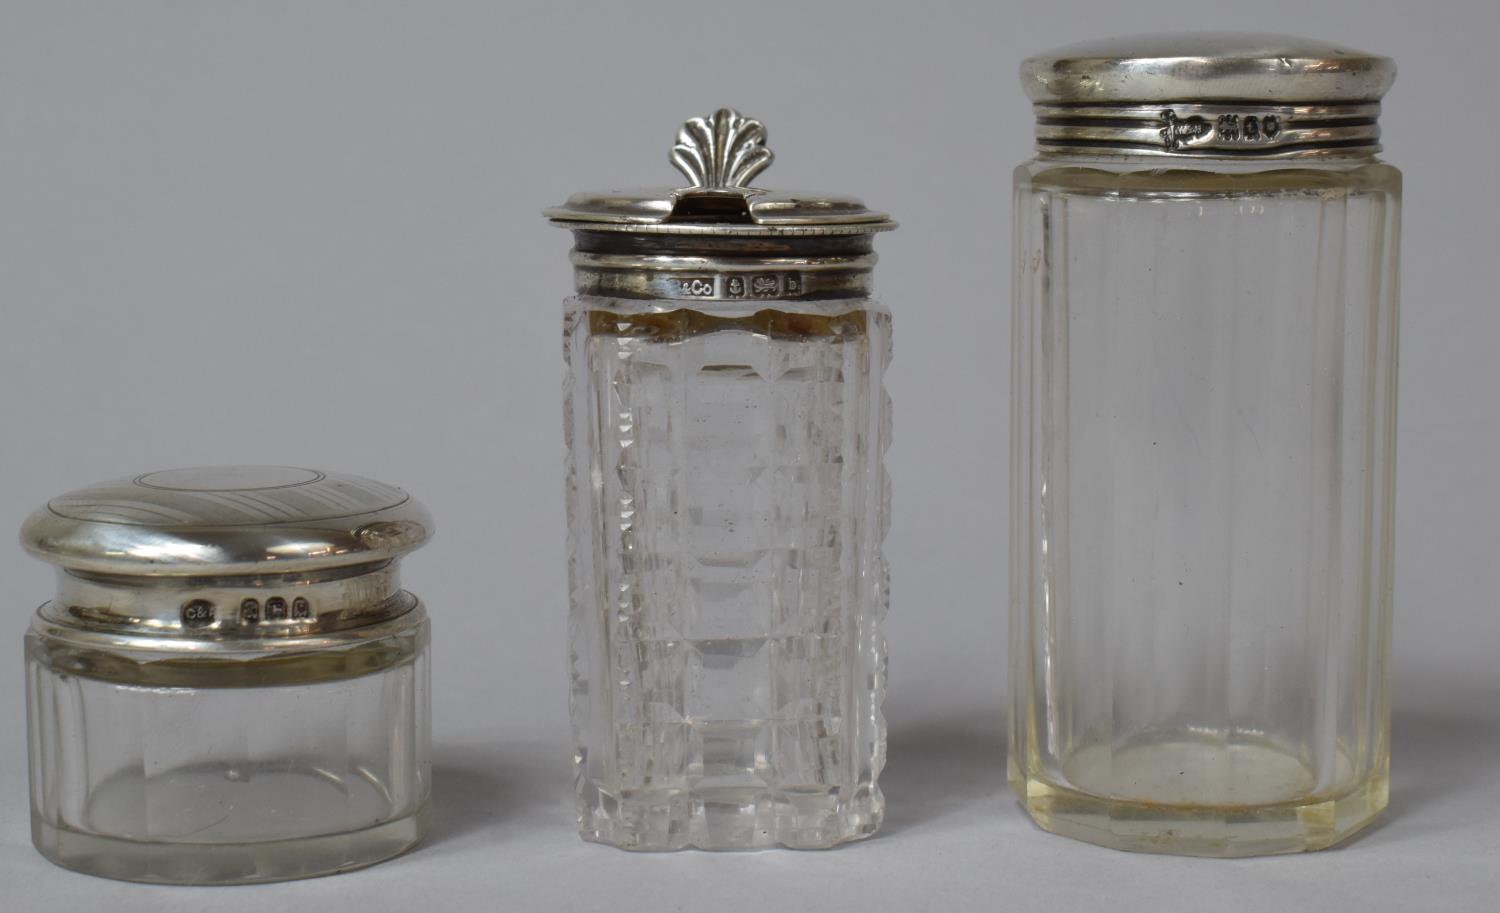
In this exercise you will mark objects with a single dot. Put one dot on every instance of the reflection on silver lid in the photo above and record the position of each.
(1214, 94)
(228, 520)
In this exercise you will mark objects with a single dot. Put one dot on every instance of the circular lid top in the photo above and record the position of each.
(719, 155)
(226, 521)
(1206, 66)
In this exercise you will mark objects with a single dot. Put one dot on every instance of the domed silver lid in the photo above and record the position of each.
(226, 520)
(228, 552)
(1214, 94)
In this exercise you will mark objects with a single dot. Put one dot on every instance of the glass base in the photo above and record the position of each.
(227, 863)
(1171, 783)
(731, 818)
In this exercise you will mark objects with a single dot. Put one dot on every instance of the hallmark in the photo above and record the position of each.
(736, 285)
(198, 613)
(1234, 128)
(1176, 131)
(696, 288)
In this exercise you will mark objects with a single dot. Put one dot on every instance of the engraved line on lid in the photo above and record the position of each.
(279, 506)
(228, 508)
(185, 477)
(326, 500)
(83, 508)
(240, 506)
(383, 493)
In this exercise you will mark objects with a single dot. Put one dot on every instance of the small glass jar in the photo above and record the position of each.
(726, 505)
(1204, 443)
(230, 684)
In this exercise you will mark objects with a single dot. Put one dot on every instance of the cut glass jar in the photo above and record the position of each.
(726, 505)
(1203, 444)
(230, 684)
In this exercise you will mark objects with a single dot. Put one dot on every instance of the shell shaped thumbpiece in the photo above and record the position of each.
(723, 150)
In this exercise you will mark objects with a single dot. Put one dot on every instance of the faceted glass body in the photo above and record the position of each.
(241, 768)
(726, 505)
(1204, 406)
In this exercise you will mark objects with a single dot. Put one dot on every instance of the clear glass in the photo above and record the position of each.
(147, 767)
(1204, 442)
(726, 505)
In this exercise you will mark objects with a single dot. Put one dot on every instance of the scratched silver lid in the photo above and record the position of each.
(1208, 94)
(719, 155)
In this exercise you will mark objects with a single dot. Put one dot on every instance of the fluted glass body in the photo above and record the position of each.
(726, 505)
(1203, 457)
(240, 767)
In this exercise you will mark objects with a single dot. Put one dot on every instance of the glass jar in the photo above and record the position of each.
(726, 504)
(1204, 443)
(230, 684)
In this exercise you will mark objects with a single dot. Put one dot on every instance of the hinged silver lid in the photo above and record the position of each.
(228, 552)
(1208, 94)
(719, 239)
(719, 155)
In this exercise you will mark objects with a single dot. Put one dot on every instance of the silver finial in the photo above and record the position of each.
(724, 150)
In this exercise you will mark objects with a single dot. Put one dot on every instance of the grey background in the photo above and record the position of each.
(308, 233)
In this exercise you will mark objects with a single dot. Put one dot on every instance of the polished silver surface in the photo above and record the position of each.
(1208, 94)
(225, 521)
(750, 211)
(719, 155)
(1206, 66)
(1210, 130)
(722, 150)
(748, 279)
(211, 558)
(718, 238)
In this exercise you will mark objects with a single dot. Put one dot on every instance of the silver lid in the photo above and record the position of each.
(226, 520)
(719, 155)
(718, 238)
(228, 552)
(1208, 94)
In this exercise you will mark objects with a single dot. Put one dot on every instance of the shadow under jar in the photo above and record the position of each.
(726, 505)
(230, 684)
(1203, 445)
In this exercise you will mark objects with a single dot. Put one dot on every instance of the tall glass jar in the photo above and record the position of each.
(1203, 434)
(726, 504)
(230, 684)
